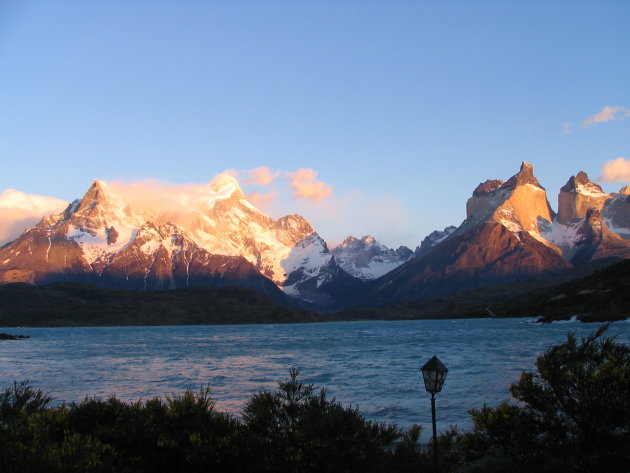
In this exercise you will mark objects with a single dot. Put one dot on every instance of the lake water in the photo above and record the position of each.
(372, 365)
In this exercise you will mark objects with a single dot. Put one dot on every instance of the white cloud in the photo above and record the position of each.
(616, 170)
(607, 114)
(20, 211)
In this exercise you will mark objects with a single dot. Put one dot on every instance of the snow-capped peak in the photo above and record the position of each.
(348, 241)
(581, 184)
(101, 207)
(367, 258)
(223, 188)
(368, 239)
(224, 185)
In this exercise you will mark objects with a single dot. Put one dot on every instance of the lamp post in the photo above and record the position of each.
(434, 374)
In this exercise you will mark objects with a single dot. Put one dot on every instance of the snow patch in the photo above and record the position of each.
(251, 207)
(562, 235)
(590, 190)
(534, 187)
(95, 245)
(308, 256)
(507, 218)
(613, 228)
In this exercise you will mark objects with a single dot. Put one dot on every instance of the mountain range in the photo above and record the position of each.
(219, 238)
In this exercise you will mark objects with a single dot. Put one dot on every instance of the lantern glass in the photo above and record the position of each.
(434, 375)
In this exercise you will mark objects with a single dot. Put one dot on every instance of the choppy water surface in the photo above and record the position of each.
(373, 365)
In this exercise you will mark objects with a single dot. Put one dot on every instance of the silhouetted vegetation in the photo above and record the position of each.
(573, 415)
(293, 429)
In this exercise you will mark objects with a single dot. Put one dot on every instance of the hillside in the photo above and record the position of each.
(72, 304)
(603, 295)
(596, 289)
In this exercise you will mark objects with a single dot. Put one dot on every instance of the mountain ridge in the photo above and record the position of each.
(216, 237)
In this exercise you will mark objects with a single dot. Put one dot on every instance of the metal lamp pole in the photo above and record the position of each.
(434, 374)
(435, 447)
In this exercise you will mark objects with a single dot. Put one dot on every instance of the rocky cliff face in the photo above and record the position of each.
(518, 204)
(590, 223)
(433, 238)
(596, 241)
(488, 254)
(616, 214)
(577, 196)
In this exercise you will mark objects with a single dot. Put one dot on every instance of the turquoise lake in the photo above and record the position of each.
(372, 365)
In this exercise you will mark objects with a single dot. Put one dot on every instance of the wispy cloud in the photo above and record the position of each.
(260, 176)
(260, 199)
(607, 114)
(306, 186)
(616, 170)
(566, 128)
(354, 212)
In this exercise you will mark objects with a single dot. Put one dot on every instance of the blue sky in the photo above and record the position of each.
(400, 107)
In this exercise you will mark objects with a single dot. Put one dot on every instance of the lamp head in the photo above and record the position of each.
(434, 374)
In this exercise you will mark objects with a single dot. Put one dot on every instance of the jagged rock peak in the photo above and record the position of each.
(593, 215)
(517, 204)
(295, 223)
(349, 241)
(487, 187)
(582, 184)
(96, 192)
(524, 176)
(625, 190)
(366, 258)
(435, 237)
(100, 195)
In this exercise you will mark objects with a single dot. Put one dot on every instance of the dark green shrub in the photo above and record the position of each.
(183, 433)
(574, 413)
(298, 429)
(21, 399)
(37, 438)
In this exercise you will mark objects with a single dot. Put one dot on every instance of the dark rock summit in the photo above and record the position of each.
(577, 196)
(487, 187)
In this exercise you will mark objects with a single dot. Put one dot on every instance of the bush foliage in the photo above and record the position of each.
(293, 429)
(572, 415)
